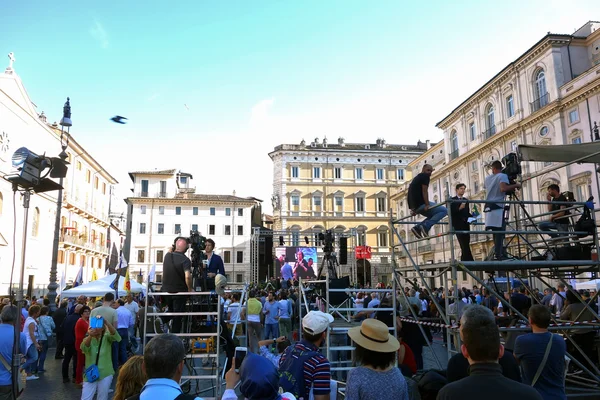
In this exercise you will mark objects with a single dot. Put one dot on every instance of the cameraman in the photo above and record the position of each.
(214, 261)
(177, 277)
(497, 185)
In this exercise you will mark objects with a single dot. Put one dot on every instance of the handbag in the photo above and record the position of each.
(92, 373)
(20, 382)
(543, 363)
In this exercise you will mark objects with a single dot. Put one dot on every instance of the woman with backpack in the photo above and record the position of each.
(45, 327)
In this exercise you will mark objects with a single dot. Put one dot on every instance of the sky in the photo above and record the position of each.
(211, 87)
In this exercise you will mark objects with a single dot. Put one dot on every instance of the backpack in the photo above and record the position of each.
(586, 223)
(291, 371)
(182, 396)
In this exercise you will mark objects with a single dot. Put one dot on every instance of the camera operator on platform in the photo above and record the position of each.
(497, 186)
(214, 261)
(177, 277)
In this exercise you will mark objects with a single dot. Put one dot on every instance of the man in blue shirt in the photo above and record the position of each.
(530, 350)
(271, 311)
(7, 336)
(163, 362)
(214, 261)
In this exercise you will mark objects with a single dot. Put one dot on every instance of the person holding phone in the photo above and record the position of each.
(97, 346)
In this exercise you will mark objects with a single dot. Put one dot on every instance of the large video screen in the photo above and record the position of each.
(296, 262)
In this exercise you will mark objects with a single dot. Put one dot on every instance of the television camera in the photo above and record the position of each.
(512, 168)
(330, 259)
(197, 243)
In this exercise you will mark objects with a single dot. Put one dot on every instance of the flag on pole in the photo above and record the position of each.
(79, 278)
(94, 276)
(122, 264)
(152, 273)
(127, 284)
(63, 282)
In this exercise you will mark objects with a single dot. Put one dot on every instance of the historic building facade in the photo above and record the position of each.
(550, 95)
(344, 187)
(165, 205)
(84, 216)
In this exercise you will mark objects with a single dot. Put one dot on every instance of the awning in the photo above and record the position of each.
(561, 153)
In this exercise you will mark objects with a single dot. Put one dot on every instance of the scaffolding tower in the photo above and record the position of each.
(535, 260)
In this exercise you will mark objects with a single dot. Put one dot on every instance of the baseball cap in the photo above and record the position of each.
(316, 322)
(220, 283)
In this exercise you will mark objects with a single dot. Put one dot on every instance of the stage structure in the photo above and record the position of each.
(535, 259)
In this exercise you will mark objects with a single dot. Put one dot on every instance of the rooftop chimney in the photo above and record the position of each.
(316, 140)
(303, 142)
(341, 141)
(325, 141)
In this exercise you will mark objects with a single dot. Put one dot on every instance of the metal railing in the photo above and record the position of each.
(83, 242)
(540, 102)
(490, 132)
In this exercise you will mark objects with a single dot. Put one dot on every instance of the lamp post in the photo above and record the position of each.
(64, 143)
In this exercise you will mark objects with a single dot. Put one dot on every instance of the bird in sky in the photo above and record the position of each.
(118, 119)
(186, 106)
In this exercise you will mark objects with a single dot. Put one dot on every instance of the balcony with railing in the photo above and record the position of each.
(83, 242)
(454, 155)
(425, 248)
(84, 208)
(490, 132)
(540, 103)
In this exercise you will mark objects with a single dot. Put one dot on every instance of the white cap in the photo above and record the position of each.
(316, 322)
(220, 283)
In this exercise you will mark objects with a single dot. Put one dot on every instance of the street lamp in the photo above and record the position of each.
(64, 143)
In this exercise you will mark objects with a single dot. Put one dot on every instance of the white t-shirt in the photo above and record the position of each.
(234, 309)
(494, 218)
(134, 308)
(28, 322)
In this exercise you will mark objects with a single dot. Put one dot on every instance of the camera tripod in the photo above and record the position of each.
(331, 262)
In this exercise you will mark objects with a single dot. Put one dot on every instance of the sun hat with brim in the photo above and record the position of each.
(374, 335)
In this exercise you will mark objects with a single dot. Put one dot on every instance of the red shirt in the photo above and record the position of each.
(409, 358)
(81, 328)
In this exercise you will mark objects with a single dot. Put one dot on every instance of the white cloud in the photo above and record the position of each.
(99, 34)
(153, 97)
(260, 111)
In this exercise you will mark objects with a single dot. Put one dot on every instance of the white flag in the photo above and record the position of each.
(152, 273)
(62, 283)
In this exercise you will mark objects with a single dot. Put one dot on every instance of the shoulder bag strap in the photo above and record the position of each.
(99, 347)
(5, 363)
(543, 363)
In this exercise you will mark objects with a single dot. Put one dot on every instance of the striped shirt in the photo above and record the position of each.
(316, 369)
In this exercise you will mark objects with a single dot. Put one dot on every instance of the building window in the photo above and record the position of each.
(576, 140)
(316, 172)
(141, 256)
(160, 254)
(359, 174)
(177, 229)
(211, 229)
(360, 204)
(544, 131)
(103, 188)
(142, 228)
(144, 186)
(240, 230)
(573, 116)
(295, 200)
(227, 256)
(381, 204)
(61, 257)
(383, 238)
(239, 278)
(213, 211)
(78, 165)
(472, 132)
(337, 173)
(339, 201)
(513, 146)
(400, 174)
(474, 166)
(183, 180)
(540, 88)
(295, 238)
(510, 107)
(88, 176)
(227, 230)
(35, 226)
(380, 174)
(71, 258)
(295, 172)
(163, 189)
(195, 227)
(475, 187)
(453, 145)
(228, 212)
(161, 229)
(239, 257)
(490, 119)
(195, 211)
(96, 183)
(143, 209)
(177, 210)
(240, 212)
(317, 201)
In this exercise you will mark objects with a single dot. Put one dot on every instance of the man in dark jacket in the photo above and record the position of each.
(481, 346)
(459, 212)
(68, 330)
(58, 317)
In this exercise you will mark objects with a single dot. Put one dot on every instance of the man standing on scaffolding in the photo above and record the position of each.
(460, 215)
(177, 277)
(497, 186)
(418, 203)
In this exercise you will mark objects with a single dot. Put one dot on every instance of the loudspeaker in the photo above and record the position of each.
(265, 268)
(343, 251)
(337, 298)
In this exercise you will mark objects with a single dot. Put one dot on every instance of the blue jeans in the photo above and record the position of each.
(31, 359)
(549, 226)
(124, 333)
(432, 215)
(42, 355)
(132, 339)
(272, 331)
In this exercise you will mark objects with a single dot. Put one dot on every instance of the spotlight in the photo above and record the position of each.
(306, 239)
(281, 242)
(29, 168)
